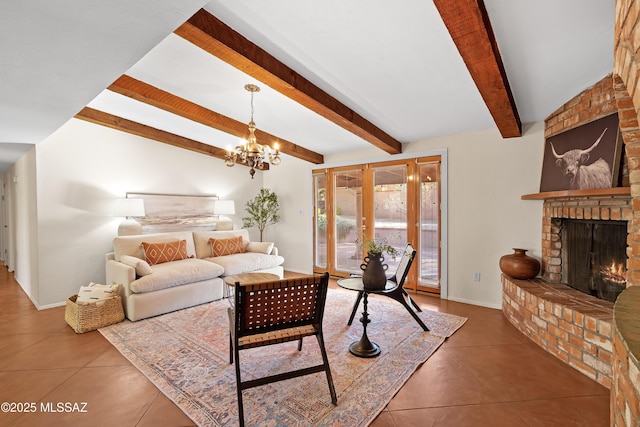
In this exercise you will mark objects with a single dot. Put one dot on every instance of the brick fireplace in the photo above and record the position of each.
(572, 325)
(614, 209)
(553, 306)
(581, 330)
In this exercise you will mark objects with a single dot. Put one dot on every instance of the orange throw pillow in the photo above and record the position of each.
(220, 247)
(157, 253)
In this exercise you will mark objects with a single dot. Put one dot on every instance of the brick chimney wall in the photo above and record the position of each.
(595, 102)
(625, 388)
(598, 101)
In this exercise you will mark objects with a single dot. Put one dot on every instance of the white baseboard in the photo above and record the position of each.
(481, 304)
(54, 305)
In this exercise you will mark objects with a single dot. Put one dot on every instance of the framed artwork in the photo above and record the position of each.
(176, 212)
(584, 157)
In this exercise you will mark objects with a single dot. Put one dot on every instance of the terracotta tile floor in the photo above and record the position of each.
(486, 374)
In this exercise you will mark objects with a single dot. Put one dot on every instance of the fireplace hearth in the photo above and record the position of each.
(574, 326)
(594, 255)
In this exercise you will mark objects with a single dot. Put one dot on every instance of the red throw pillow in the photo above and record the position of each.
(157, 253)
(220, 247)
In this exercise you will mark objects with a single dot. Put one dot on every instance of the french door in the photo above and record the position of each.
(396, 201)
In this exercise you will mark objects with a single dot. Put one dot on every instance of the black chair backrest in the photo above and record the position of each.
(280, 304)
(405, 264)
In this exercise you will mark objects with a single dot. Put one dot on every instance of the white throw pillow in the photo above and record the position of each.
(142, 267)
(96, 292)
(260, 247)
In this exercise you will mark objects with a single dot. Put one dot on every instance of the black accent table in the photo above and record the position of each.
(364, 347)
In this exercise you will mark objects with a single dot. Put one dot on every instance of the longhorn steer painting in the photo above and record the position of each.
(583, 158)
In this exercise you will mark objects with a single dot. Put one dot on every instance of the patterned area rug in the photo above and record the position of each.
(186, 355)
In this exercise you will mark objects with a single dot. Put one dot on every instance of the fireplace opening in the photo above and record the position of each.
(594, 255)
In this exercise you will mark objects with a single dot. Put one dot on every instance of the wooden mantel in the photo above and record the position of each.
(595, 192)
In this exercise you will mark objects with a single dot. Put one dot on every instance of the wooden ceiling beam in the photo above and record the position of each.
(118, 123)
(468, 23)
(144, 92)
(212, 35)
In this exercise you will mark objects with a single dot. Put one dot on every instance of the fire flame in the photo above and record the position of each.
(617, 269)
(615, 273)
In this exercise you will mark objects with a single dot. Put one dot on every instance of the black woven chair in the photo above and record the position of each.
(399, 293)
(275, 312)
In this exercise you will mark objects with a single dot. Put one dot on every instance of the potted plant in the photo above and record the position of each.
(373, 246)
(262, 211)
(374, 271)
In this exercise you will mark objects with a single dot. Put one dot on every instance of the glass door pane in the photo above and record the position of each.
(347, 193)
(390, 209)
(429, 254)
(320, 220)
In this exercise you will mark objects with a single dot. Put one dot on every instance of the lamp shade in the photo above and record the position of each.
(224, 207)
(129, 207)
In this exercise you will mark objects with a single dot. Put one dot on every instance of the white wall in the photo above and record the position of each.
(21, 221)
(293, 235)
(82, 168)
(487, 176)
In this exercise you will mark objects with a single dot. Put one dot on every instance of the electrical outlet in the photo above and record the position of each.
(476, 276)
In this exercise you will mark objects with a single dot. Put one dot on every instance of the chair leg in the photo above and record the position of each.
(327, 369)
(230, 349)
(300, 344)
(397, 295)
(239, 388)
(355, 308)
(411, 301)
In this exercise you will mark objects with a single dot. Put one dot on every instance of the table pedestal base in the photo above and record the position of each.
(364, 348)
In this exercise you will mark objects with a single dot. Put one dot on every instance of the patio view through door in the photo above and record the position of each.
(398, 201)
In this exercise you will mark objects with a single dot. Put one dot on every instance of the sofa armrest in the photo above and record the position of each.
(267, 248)
(119, 273)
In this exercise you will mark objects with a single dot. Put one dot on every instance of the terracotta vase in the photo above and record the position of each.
(519, 265)
(374, 275)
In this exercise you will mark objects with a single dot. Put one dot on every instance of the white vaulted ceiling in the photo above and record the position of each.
(394, 64)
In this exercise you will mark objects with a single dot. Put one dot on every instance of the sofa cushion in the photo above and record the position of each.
(130, 245)
(176, 273)
(246, 262)
(201, 240)
(141, 266)
(158, 253)
(221, 247)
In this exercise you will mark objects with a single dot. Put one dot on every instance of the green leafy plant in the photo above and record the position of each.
(262, 211)
(343, 225)
(376, 246)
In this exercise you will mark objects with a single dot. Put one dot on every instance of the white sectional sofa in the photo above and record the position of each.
(193, 275)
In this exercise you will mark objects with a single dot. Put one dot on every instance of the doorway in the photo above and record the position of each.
(397, 201)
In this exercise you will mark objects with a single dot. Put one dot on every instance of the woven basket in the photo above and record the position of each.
(94, 315)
